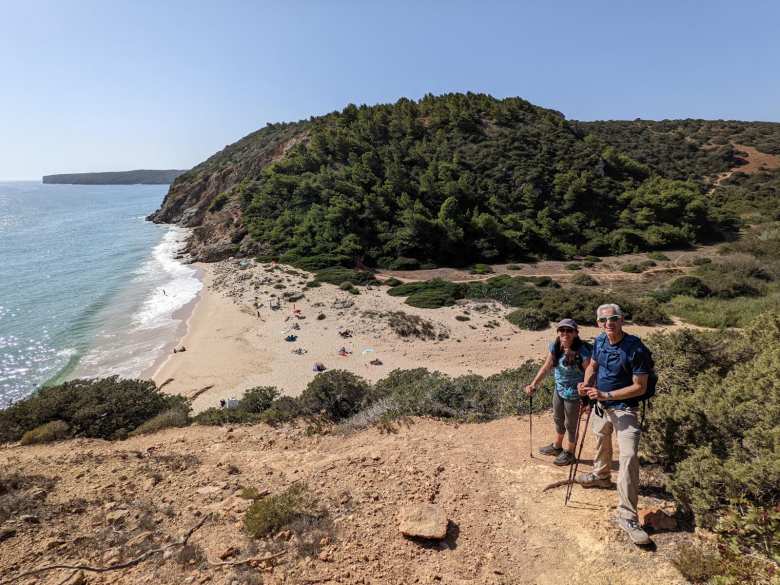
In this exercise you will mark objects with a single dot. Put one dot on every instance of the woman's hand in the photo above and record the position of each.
(581, 389)
(530, 389)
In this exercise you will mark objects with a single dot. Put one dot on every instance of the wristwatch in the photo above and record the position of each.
(609, 395)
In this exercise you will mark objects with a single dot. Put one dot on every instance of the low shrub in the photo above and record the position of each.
(713, 427)
(173, 417)
(55, 430)
(313, 284)
(105, 408)
(592, 259)
(338, 275)
(402, 263)
(406, 325)
(514, 267)
(225, 416)
(513, 292)
(420, 392)
(481, 269)
(315, 262)
(346, 285)
(719, 313)
(659, 256)
(273, 513)
(529, 319)
(689, 286)
(631, 268)
(705, 563)
(392, 281)
(737, 278)
(573, 266)
(583, 279)
(581, 304)
(282, 410)
(258, 399)
(337, 394)
(462, 318)
(700, 261)
(433, 294)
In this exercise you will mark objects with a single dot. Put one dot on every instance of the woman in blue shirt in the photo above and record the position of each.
(567, 358)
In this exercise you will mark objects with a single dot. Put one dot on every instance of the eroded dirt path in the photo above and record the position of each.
(98, 502)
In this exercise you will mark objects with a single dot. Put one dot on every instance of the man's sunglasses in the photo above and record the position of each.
(565, 330)
(611, 319)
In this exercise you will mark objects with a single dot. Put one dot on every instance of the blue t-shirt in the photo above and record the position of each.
(568, 376)
(618, 364)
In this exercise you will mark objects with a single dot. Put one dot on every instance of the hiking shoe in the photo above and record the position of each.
(589, 480)
(550, 449)
(634, 531)
(564, 458)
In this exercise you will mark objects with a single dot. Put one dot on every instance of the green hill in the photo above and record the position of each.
(457, 179)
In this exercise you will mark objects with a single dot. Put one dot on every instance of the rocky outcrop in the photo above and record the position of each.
(218, 230)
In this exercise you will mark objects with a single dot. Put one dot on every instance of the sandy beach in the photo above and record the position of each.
(232, 345)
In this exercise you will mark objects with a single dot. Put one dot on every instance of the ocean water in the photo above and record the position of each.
(88, 287)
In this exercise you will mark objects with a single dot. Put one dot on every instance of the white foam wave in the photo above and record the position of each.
(173, 283)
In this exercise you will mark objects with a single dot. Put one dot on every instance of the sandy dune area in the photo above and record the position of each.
(235, 340)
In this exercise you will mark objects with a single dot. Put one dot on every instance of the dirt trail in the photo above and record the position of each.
(503, 528)
(755, 161)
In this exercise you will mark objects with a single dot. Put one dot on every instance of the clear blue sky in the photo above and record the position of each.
(117, 85)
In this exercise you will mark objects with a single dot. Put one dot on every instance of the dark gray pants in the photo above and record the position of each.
(565, 413)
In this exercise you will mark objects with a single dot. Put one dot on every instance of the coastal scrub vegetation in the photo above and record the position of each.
(713, 428)
(462, 179)
(540, 299)
(104, 408)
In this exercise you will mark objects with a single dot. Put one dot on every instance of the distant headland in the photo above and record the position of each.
(139, 177)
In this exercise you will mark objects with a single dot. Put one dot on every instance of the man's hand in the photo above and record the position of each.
(530, 389)
(593, 392)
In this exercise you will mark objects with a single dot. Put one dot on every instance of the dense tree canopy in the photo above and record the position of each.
(460, 178)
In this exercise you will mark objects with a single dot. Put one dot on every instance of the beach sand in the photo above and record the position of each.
(229, 348)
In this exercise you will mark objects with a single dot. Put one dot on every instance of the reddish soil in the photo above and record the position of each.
(101, 503)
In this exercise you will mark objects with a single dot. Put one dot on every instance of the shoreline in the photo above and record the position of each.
(183, 314)
(235, 341)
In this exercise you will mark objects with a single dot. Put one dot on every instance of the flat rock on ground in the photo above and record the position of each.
(423, 521)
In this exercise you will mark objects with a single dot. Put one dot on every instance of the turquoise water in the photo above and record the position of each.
(88, 287)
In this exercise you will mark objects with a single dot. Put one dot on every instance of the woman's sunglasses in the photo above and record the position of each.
(565, 330)
(611, 319)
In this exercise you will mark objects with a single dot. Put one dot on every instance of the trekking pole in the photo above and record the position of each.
(531, 424)
(570, 486)
(571, 465)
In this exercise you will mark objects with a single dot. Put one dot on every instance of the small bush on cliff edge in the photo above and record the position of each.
(337, 394)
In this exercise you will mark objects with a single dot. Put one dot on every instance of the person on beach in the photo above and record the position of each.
(620, 368)
(568, 357)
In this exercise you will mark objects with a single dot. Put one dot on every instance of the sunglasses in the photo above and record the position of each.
(565, 330)
(611, 319)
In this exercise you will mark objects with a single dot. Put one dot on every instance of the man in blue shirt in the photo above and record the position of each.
(620, 368)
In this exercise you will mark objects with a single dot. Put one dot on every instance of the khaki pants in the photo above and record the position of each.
(628, 430)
